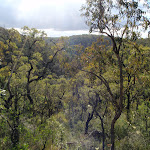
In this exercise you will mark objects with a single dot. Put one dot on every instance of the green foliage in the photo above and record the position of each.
(28, 95)
(48, 90)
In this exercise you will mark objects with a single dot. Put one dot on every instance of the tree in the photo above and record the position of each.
(120, 21)
(23, 70)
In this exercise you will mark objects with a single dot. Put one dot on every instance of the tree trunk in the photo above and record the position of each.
(117, 115)
(128, 106)
(15, 131)
(44, 146)
(87, 122)
(15, 135)
(103, 130)
(120, 106)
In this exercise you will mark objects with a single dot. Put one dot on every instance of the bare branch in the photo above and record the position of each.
(106, 85)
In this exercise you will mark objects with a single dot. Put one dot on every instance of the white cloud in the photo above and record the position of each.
(42, 14)
(55, 33)
(36, 7)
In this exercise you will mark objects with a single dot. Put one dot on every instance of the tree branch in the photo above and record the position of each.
(106, 85)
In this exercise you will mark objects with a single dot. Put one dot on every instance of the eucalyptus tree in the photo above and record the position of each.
(24, 66)
(120, 20)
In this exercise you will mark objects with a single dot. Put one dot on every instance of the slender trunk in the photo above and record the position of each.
(128, 106)
(128, 98)
(90, 116)
(117, 115)
(16, 122)
(28, 84)
(120, 106)
(28, 94)
(137, 104)
(15, 133)
(103, 130)
(44, 146)
(87, 122)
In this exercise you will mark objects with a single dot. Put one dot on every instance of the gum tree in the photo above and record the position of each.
(121, 21)
(24, 67)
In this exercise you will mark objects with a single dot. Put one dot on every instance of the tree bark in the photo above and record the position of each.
(120, 106)
(15, 131)
(87, 122)
(117, 115)
(103, 130)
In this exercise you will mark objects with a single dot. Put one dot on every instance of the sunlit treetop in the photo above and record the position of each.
(116, 18)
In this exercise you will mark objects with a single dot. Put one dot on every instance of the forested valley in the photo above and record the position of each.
(54, 92)
(83, 92)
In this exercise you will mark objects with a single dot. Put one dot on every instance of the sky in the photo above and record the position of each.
(55, 17)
